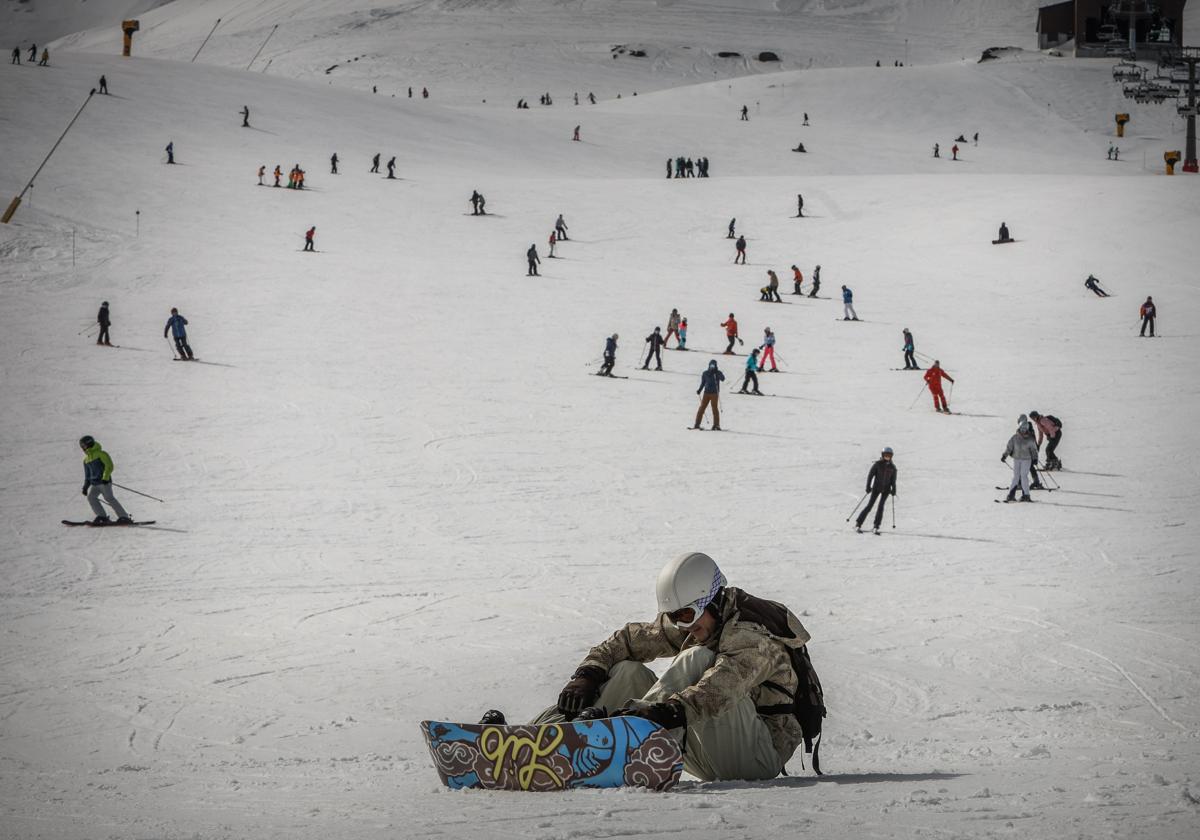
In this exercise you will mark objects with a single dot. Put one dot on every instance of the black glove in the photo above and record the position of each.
(1003, 459)
(581, 691)
(85, 487)
(104, 481)
(668, 715)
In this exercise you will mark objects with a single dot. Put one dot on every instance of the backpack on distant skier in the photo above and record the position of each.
(1054, 420)
(808, 703)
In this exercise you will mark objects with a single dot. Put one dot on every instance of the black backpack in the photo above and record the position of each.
(808, 703)
(1054, 420)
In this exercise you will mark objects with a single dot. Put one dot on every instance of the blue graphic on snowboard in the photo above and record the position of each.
(610, 752)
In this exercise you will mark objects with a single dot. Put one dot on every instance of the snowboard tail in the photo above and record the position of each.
(603, 753)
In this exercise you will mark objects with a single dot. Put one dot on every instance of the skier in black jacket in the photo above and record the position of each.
(881, 483)
(103, 320)
(656, 342)
(610, 355)
(816, 282)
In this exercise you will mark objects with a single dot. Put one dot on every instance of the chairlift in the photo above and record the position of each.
(1128, 71)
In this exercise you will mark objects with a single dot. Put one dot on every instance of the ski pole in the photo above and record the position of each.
(139, 492)
(893, 511)
(856, 504)
(87, 329)
(922, 391)
(951, 394)
(172, 346)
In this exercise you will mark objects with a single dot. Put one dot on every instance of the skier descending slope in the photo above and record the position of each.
(737, 663)
(751, 378)
(1022, 447)
(610, 355)
(177, 326)
(97, 481)
(881, 483)
(656, 342)
(710, 384)
(933, 379)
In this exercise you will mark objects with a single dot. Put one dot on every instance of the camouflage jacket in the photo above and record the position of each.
(747, 657)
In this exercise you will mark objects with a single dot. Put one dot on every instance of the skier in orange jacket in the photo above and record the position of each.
(731, 332)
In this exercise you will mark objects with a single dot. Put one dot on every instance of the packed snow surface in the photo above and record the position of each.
(394, 491)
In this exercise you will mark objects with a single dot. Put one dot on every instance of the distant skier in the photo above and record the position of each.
(933, 380)
(797, 280)
(816, 282)
(740, 256)
(375, 163)
(682, 334)
(1003, 235)
(278, 173)
(668, 167)
(805, 118)
(262, 172)
(1024, 451)
(309, 244)
(910, 347)
(1116, 152)
(532, 258)
(33, 52)
(731, 332)
(16, 55)
(610, 355)
(773, 287)
(552, 242)
(751, 377)
(97, 482)
(799, 206)
(730, 235)
(475, 199)
(575, 136)
(424, 93)
(848, 313)
(1110, 151)
(245, 112)
(103, 320)
(592, 98)
(177, 326)
(171, 152)
(391, 168)
(881, 483)
(710, 385)
(333, 162)
(976, 138)
(45, 57)
(482, 205)
(936, 150)
(1148, 311)
(799, 148)
(1094, 284)
(954, 151)
(104, 85)
(768, 351)
(745, 114)
(1048, 428)
(560, 227)
(656, 342)
(673, 328)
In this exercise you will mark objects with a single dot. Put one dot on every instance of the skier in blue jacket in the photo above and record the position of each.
(848, 301)
(176, 325)
(710, 384)
(610, 356)
(751, 374)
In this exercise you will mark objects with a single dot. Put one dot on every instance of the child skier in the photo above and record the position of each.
(752, 369)
(610, 355)
(797, 281)
(768, 348)
(682, 334)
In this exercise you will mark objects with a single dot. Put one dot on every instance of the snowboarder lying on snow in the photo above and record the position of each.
(727, 694)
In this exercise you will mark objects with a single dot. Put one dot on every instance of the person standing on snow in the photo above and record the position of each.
(32, 52)
(752, 369)
(177, 326)
(881, 483)
(773, 287)
(103, 320)
(933, 379)
(552, 242)
(262, 171)
(816, 283)
(97, 482)
(732, 222)
(1148, 312)
(936, 150)
(731, 332)
(673, 328)
(682, 334)
(910, 347)
(745, 114)
(797, 280)
(104, 85)
(375, 163)
(333, 162)
(531, 256)
(610, 355)
(768, 350)
(799, 206)
(740, 256)
(309, 245)
(1049, 428)
(245, 112)
(45, 57)
(656, 342)
(954, 151)
(726, 695)
(575, 136)
(171, 151)
(1094, 284)
(391, 168)
(710, 385)
(848, 304)
(16, 55)
(560, 227)
(1024, 451)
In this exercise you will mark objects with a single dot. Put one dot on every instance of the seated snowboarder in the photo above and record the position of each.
(727, 694)
(799, 148)
(1003, 236)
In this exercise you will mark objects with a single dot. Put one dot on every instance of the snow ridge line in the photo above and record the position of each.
(1133, 683)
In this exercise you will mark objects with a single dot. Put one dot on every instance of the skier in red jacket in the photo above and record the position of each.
(731, 332)
(933, 379)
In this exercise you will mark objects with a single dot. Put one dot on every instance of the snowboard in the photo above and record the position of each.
(1003, 241)
(91, 524)
(604, 753)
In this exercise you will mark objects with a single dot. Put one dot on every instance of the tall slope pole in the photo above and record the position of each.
(16, 202)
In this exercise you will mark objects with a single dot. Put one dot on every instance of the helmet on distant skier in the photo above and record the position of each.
(1035, 415)
(712, 364)
(887, 450)
(687, 585)
(86, 442)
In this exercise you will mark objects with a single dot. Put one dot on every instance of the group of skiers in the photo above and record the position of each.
(391, 166)
(295, 177)
(688, 168)
(16, 55)
(1147, 311)
(559, 234)
(478, 203)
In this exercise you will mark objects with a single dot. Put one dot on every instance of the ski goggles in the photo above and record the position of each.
(685, 617)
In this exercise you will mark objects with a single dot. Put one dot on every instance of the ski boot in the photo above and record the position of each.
(493, 717)
(1025, 497)
(592, 713)
(124, 520)
(1012, 496)
(101, 520)
(876, 531)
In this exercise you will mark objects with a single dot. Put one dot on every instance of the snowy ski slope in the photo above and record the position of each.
(395, 492)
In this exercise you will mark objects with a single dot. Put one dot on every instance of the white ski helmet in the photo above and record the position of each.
(691, 580)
